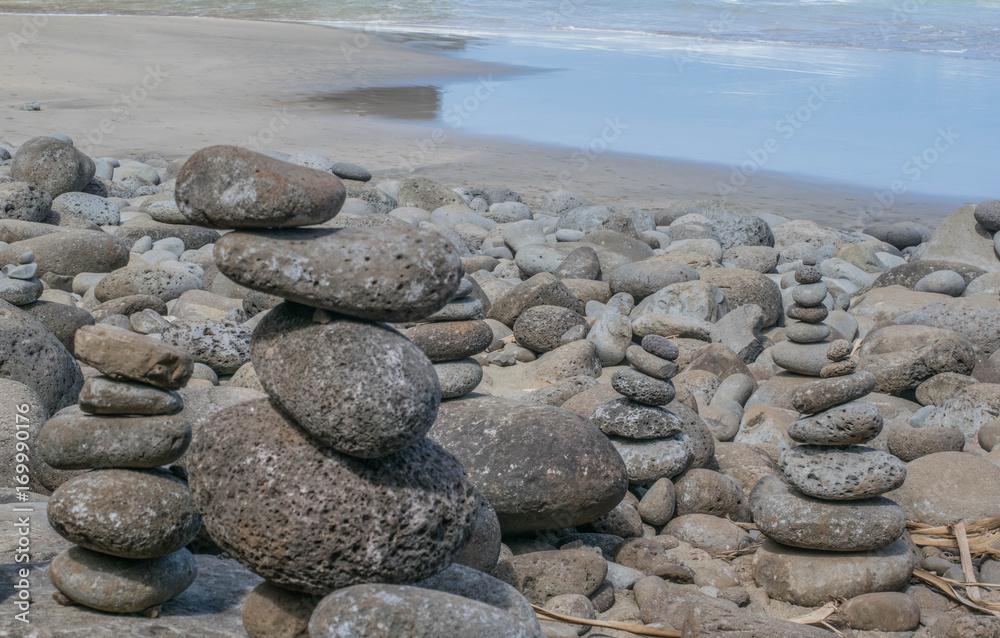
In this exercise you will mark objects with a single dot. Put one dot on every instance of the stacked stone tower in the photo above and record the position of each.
(830, 503)
(330, 482)
(130, 520)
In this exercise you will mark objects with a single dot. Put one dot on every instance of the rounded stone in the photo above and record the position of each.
(381, 274)
(814, 314)
(661, 347)
(20, 200)
(232, 187)
(75, 442)
(483, 548)
(70, 252)
(803, 332)
(937, 489)
(809, 295)
(458, 378)
(642, 388)
(101, 395)
(539, 466)
(945, 282)
(94, 209)
(146, 279)
(32, 355)
(841, 473)
(811, 578)
(353, 523)
(808, 274)
(845, 424)
(656, 507)
(987, 214)
(121, 585)
(630, 419)
(816, 396)
(989, 435)
(881, 611)
(701, 491)
(272, 612)
(359, 387)
(222, 345)
(643, 278)
(52, 165)
(710, 533)
(390, 611)
(651, 364)
(125, 513)
(910, 444)
(451, 340)
(648, 461)
(791, 518)
(541, 328)
(802, 358)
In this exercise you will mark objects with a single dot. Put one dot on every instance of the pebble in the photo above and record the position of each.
(127, 356)
(650, 460)
(709, 533)
(945, 282)
(458, 378)
(447, 341)
(121, 585)
(910, 444)
(884, 611)
(855, 525)
(630, 419)
(809, 295)
(813, 314)
(75, 442)
(843, 424)
(52, 165)
(230, 187)
(841, 473)
(816, 396)
(804, 332)
(273, 612)
(656, 507)
(642, 388)
(129, 513)
(358, 387)
(650, 364)
(461, 309)
(379, 274)
(272, 530)
(101, 395)
(660, 346)
(542, 575)
(541, 328)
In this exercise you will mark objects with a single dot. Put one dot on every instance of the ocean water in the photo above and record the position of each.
(900, 96)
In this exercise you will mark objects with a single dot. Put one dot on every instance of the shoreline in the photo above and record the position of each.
(162, 84)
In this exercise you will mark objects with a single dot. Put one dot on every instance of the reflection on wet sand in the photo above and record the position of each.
(399, 102)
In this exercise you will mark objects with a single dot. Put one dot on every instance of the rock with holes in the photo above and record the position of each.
(381, 274)
(354, 523)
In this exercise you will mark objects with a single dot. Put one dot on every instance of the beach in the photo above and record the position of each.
(282, 86)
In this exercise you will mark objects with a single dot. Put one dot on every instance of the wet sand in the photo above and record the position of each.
(121, 86)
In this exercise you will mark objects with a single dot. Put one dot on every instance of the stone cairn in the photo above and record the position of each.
(650, 438)
(329, 484)
(18, 284)
(450, 337)
(831, 502)
(130, 520)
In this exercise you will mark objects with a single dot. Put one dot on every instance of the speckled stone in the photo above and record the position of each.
(355, 521)
(642, 387)
(630, 419)
(358, 387)
(78, 442)
(125, 513)
(845, 424)
(841, 473)
(101, 395)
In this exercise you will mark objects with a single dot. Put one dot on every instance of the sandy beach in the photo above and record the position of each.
(174, 85)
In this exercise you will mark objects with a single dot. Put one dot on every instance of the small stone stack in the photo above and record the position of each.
(18, 284)
(450, 337)
(330, 482)
(805, 350)
(130, 520)
(650, 438)
(831, 506)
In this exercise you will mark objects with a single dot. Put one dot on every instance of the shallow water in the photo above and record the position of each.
(897, 95)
